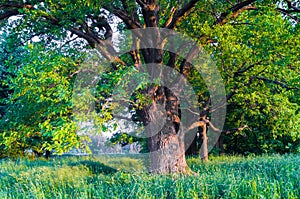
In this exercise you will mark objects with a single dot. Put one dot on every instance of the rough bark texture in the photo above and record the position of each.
(166, 143)
(167, 153)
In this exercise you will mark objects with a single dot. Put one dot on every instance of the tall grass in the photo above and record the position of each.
(90, 177)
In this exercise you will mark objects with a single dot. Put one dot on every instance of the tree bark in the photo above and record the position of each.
(192, 149)
(47, 154)
(221, 145)
(167, 153)
(204, 147)
(165, 142)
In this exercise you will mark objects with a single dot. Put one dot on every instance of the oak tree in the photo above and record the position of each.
(214, 25)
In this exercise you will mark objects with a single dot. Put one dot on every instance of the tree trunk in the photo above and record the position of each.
(204, 147)
(192, 149)
(37, 154)
(167, 153)
(221, 145)
(47, 154)
(165, 141)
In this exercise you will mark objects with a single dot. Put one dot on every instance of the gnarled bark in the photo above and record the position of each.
(165, 140)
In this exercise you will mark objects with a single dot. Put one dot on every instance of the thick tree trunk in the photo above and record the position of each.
(165, 141)
(167, 153)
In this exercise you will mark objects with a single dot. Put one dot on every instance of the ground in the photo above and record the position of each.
(274, 176)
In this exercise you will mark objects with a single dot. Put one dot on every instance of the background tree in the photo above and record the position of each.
(38, 113)
(256, 54)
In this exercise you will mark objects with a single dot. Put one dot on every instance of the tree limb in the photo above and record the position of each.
(196, 124)
(215, 129)
(285, 12)
(150, 12)
(135, 55)
(233, 130)
(283, 85)
(292, 7)
(243, 70)
(12, 9)
(236, 9)
(142, 4)
(176, 18)
(8, 14)
(16, 5)
(122, 14)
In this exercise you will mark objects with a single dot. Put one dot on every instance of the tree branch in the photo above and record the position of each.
(8, 14)
(176, 18)
(215, 129)
(243, 70)
(233, 130)
(236, 9)
(292, 7)
(142, 4)
(150, 12)
(122, 14)
(135, 53)
(16, 5)
(12, 9)
(196, 124)
(285, 12)
(275, 82)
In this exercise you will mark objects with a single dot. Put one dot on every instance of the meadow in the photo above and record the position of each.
(267, 176)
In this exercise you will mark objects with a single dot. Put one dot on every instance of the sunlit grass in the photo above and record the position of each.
(101, 177)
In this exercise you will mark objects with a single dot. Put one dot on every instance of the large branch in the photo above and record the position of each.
(8, 14)
(142, 4)
(150, 11)
(124, 16)
(135, 55)
(105, 46)
(215, 129)
(290, 11)
(236, 10)
(292, 7)
(89, 38)
(178, 15)
(242, 70)
(283, 85)
(132, 10)
(15, 5)
(12, 9)
(287, 13)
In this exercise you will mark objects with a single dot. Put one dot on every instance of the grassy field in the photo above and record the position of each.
(90, 177)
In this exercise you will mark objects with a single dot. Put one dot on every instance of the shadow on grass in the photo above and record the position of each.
(95, 167)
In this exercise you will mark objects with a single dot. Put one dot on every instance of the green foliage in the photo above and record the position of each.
(39, 112)
(86, 177)
(256, 54)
